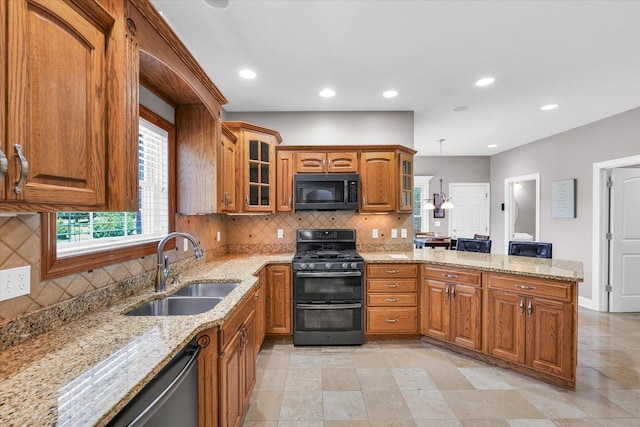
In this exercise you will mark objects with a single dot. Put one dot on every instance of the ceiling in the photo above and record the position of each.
(584, 56)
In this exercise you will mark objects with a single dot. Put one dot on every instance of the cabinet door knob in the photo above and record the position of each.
(24, 164)
(4, 164)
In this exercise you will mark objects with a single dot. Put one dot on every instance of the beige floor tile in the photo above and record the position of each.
(343, 405)
(485, 378)
(274, 361)
(488, 422)
(345, 423)
(385, 405)
(530, 423)
(552, 404)
(270, 379)
(596, 405)
(469, 404)
(510, 404)
(303, 379)
(264, 406)
(629, 400)
(302, 360)
(369, 360)
(300, 424)
(337, 360)
(439, 423)
(393, 423)
(376, 379)
(413, 379)
(301, 406)
(448, 378)
(340, 379)
(626, 377)
(427, 405)
(252, 423)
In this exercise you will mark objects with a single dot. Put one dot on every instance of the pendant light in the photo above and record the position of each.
(447, 203)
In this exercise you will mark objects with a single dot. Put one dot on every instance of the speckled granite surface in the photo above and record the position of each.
(85, 371)
(536, 267)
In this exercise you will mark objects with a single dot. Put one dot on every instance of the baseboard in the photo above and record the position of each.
(586, 303)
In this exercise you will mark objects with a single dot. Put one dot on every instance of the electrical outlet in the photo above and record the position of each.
(217, 236)
(280, 233)
(403, 233)
(15, 282)
(374, 233)
(185, 245)
(436, 223)
(394, 233)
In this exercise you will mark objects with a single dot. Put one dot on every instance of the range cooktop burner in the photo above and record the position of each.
(348, 254)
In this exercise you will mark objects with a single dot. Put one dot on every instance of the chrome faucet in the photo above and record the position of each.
(163, 263)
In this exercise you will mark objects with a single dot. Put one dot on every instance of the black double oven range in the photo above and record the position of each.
(328, 288)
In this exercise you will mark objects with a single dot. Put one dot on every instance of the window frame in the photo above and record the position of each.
(52, 267)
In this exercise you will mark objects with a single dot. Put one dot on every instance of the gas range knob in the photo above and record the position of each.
(345, 265)
(303, 265)
(354, 265)
(312, 266)
(328, 265)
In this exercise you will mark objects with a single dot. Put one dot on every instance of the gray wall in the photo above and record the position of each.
(461, 169)
(566, 155)
(335, 127)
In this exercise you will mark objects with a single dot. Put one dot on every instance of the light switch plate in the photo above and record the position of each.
(15, 282)
(374, 233)
(394, 233)
(403, 233)
(436, 223)
(217, 236)
(280, 233)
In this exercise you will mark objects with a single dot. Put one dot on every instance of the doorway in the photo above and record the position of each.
(522, 208)
(472, 209)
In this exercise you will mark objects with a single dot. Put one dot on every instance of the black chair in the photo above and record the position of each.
(474, 245)
(530, 249)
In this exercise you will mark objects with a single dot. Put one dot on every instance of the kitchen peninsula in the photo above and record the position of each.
(40, 377)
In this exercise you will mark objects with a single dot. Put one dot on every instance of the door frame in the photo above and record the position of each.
(508, 205)
(599, 257)
(487, 188)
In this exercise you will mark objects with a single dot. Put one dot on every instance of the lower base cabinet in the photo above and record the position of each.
(208, 377)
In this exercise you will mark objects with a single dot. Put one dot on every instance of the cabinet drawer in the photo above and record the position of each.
(392, 320)
(529, 286)
(467, 277)
(235, 320)
(392, 300)
(402, 285)
(380, 271)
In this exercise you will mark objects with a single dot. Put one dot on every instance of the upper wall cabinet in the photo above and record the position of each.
(57, 59)
(330, 162)
(405, 184)
(377, 181)
(227, 156)
(256, 160)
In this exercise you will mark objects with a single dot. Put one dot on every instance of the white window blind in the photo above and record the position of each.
(83, 232)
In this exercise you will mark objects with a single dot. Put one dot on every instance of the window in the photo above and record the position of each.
(420, 195)
(82, 238)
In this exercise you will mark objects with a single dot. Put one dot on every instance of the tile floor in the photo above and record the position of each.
(411, 383)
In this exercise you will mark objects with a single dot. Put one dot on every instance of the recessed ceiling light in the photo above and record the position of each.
(390, 93)
(217, 4)
(459, 108)
(549, 107)
(327, 93)
(247, 74)
(486, 81)
(492, 145)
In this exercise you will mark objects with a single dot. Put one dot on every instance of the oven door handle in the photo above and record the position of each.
(328, 306)
(330, 274)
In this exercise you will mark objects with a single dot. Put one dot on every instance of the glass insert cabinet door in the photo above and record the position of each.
(261, 164)
(406, 182)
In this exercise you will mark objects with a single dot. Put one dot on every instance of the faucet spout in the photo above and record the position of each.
(163, 262)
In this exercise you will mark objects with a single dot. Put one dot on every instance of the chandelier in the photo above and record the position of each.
(444, 201)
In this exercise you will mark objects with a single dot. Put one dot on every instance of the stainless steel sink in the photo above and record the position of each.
(176, 306)
(207, 289)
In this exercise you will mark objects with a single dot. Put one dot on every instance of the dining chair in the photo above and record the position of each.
(530, 249)
(474, 245)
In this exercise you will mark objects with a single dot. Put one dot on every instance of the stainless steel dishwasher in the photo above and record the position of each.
(170, 399)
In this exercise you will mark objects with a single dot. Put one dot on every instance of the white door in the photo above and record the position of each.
(471, 212)
(624, 275)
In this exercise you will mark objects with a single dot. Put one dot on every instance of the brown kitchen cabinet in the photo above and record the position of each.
(60, 91)
(377, 181)
(261, 310)
(237, 363)
(391, 299)
(208, 377)
(532, 322)
(451, 306)
(284, 181)
(279, 299)
(405, 190)
(227, 156)
(329, 162)
(256, 160)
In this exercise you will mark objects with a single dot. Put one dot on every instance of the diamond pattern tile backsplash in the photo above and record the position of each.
(20, 245)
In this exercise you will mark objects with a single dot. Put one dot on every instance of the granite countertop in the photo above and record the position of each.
(85, 371)
(555, 269)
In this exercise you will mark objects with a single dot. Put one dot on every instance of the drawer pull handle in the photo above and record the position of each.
(392, 320)
(393, 299)
(528, 287)
(450, 276)
(392, 285)
(393, 271)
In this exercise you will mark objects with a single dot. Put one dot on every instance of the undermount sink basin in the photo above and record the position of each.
(207, 289)
(176, 306)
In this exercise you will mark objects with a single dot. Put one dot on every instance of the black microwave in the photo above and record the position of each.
(326, 191)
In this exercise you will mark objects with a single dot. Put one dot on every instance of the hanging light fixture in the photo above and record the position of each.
(446, 201)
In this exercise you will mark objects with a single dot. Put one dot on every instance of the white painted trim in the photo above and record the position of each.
(508, 193)
(423, 181)
(486, 186)
(598, 255)
(585, 302)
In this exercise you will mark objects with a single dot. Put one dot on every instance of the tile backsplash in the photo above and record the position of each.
(20, 245)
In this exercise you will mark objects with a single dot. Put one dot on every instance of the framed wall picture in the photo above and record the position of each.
(563, 198)
(438, 212)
